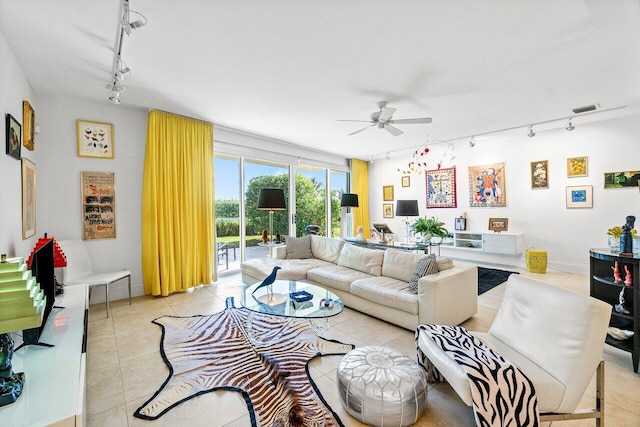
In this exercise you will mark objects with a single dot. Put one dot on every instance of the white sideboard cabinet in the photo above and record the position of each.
(54, 389)
(496, 243)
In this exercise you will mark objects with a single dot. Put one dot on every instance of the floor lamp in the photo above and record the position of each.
(407, 208)
(348, 201)
(271, 199)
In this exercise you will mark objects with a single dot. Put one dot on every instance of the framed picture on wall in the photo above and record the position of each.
(626, 179)
(488, 186)
(387, 210)
(28, 120)
(540, 174)
(498, 224)
(13, 137)
(441, 188)
(580, 196)
(95, 139)
(98, 205)
(406, 181)
(577, 166)
(28, 198)
(387, 193)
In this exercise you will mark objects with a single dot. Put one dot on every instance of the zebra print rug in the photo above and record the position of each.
(502, 394)
(207, 353)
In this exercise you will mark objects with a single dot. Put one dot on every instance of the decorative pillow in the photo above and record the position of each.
(299, 247)
(427, 265)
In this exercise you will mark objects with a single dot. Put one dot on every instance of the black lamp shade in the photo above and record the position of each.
(349, 200)
(407, 208)
(271, 199)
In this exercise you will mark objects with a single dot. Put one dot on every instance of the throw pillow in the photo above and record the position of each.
(427, 265)
(299, 247)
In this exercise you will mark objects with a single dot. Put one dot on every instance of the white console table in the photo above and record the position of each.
(487, 242)
(54, 389)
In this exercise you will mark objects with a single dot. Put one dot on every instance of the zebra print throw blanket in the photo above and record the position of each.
(502, 394)
(206, 353)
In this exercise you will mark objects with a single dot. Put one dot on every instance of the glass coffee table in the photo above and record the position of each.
(294, 300)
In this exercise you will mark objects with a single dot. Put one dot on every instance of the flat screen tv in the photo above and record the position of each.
(42, 270)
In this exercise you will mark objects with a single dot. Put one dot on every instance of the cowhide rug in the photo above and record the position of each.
(207, 353)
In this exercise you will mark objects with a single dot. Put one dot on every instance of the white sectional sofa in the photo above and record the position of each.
(376, 282)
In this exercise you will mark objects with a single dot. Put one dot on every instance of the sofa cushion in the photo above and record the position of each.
(400, 264)
(299, 247)
(444, 263)
(292, 269)
(362, 259)
(427, 265)
(335, 276)
(386, 291)
(325, 248)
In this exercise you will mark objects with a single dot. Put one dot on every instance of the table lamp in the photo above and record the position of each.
(347, 201)
(271, 199)
(22, 306)
(407, 208)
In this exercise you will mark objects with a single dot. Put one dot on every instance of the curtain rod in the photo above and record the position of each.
(181, 115)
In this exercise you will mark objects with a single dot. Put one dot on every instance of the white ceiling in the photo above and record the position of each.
(288, 69)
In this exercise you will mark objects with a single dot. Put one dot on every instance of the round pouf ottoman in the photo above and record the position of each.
(381, 386)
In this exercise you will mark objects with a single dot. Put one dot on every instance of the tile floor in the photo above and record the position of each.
(124, 367)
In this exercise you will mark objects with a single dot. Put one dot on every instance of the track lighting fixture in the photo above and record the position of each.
(472, 142)
(531, 132)
(127, 25)
(388, 156)
(121, 70)
(116, 89)
(115, 97)
(570, 125)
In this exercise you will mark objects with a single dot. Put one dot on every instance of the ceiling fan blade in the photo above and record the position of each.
(365, 128)
(386, 114)
(358, 121)
(393, 130)
(409, 121)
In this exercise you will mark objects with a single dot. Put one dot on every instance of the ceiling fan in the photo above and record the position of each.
(384, 120)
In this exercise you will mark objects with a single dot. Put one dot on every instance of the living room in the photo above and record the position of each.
(607, 138)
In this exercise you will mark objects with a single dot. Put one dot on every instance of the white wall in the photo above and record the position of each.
(14, 88)
(540, 214)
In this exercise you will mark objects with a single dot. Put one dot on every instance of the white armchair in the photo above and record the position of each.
(79, 269)
(555, 336)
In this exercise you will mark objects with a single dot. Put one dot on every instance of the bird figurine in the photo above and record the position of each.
(269, 279)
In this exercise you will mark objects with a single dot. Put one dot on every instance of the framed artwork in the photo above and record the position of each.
(95, 139)
(29, 121)
(498, 224)
(580, 196)
(540, 174)
(387, 193)
(13, 136)
(98, 205)
(441, 188)
(406, 181)
(387, 210)
(28, 198)
(488, 186)
(461, 224)
(621, 179)
(577, 166)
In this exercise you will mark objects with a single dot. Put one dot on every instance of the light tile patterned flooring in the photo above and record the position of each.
(125, 368)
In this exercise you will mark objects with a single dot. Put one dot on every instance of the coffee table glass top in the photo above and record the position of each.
(312, 302)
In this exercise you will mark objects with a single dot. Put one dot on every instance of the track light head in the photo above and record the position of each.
(115, 97)
(570, 125)
(531, 132)
(472, 142)
(586, 108)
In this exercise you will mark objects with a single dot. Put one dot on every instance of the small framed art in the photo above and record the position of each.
(28, 198)
(406, 181)
(387, 193)
(95, 139)
(624, 179)
(577, 166)
(498, 224)
(461, 224)
(540, 174)
(28, 120)
(580, 196)
(13, 137)
(387, 210)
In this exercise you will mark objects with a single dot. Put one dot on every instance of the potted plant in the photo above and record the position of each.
(430, 227)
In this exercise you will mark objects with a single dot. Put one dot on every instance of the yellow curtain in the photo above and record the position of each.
(177, 204)
(360, 186)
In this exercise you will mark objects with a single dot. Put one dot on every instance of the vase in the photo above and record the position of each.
(614, 244)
